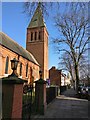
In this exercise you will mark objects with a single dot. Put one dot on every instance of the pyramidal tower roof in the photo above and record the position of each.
(37, 19)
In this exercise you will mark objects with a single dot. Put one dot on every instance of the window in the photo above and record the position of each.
(35, 35)
(31, 36)
(39, 36)
(26, 69)
(20, 69)
(6, 67)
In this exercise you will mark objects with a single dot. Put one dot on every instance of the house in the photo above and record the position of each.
(56, 77)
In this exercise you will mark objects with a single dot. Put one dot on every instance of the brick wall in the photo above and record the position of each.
(17, 101)
(55, 76)
(12, 100)
(39, 48)
(4, 52)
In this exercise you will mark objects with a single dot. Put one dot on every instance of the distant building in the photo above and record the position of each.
(63, 79)
(68, 79)
(56, 77)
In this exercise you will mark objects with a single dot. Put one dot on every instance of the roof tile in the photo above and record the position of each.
(37, 19)
(12, 45)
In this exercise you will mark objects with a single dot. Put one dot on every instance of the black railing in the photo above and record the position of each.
(28, 101)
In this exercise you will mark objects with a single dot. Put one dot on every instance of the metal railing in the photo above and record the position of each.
(28, 101)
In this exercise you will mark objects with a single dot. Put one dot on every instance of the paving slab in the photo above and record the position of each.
(66, 107)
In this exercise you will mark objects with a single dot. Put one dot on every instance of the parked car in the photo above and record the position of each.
(84, 91)
(88, 88)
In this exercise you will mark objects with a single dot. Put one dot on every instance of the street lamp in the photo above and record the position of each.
(14, 64)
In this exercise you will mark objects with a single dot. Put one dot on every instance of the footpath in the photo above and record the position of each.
(66, 106)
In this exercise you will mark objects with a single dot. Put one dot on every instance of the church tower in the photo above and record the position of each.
(37, 40)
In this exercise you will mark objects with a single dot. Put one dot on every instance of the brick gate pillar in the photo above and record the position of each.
(40, 96)
(12, 91)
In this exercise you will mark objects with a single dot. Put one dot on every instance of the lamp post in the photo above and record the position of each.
(14, 64)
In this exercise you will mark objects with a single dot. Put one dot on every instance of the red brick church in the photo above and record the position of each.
(34, 57)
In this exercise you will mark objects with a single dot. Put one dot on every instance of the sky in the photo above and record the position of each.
(15, 22)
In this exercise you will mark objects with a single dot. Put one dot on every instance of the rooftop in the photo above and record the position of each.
(37, 19)
(13, 46)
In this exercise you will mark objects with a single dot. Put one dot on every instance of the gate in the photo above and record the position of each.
(28, 101)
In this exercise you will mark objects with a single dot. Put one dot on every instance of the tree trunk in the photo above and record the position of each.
(77, 77)
(73, 83)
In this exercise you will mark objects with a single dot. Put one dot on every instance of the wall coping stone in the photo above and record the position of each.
(41, 81)
(12, 80)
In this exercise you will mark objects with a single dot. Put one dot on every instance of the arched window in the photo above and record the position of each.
(26, 69)
(7, 63)
(31, 36)
(35, 35)
(20, 69)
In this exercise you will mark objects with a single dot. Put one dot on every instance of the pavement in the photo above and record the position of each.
(66, 106)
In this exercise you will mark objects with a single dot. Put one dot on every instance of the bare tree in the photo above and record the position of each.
(67, 64)
(29, 7)
(84, 68)
(72, 25)
(73, 28)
